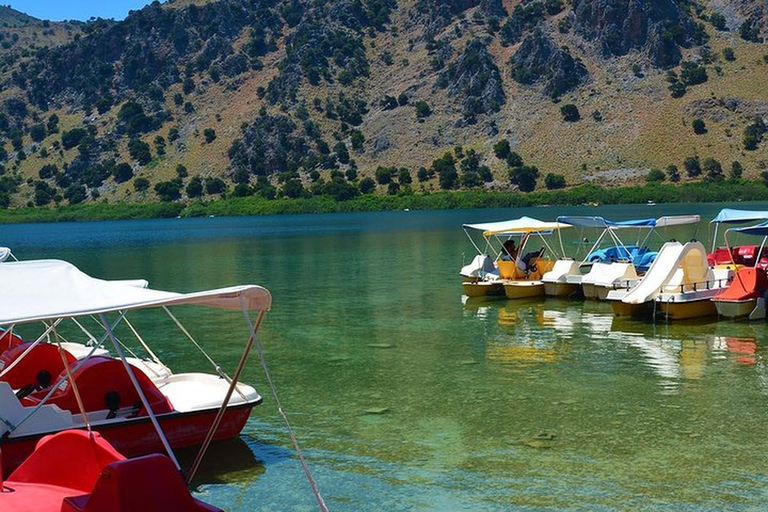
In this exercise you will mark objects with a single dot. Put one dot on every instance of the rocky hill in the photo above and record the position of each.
(192, 99)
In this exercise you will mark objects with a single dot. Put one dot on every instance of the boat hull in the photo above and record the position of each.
(620, 308)
(589, 290)
(735, 308)
(523, 289)
(687, 309)
(560, 289)
(137, 436)
(482, 288)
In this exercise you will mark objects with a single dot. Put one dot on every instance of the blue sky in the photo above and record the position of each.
(58, 10)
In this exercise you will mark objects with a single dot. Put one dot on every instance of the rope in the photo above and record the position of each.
(224, 403)
(195, 343)
(280, 409)
(221, 373)
(75, 389)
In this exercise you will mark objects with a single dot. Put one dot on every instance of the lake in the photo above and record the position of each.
(404, 397)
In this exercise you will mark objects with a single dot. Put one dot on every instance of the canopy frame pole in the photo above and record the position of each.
(29, 348)
(184, 330)
(289, 429)
(140, 391)
(230, 390)
(75, 390)
(144, 345)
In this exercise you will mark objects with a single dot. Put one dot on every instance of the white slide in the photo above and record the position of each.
(661, 271)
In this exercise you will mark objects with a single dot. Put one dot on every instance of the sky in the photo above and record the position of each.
(58, 10)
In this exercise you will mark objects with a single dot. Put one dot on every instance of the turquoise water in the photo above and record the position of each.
(404, 397)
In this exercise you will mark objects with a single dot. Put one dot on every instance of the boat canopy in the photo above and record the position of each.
(729, 215)
(759, 230)
(602, 222)
(50, 289)
(677, 220)
(516, 226)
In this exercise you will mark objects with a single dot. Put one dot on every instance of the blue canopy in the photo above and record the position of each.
(602, 222)
(729, 215)
(759, 230)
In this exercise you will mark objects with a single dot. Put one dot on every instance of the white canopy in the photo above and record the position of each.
(516, 226)
(48, 289)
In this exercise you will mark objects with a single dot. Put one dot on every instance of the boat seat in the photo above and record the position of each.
(148, 484)
(104, 384)
(745, 255)
(719, 257)
(37, 369)
(54, 455)
(747, 284)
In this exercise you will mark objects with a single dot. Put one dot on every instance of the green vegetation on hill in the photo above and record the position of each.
(285, 103)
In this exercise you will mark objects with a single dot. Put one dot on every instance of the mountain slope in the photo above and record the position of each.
(190, 99)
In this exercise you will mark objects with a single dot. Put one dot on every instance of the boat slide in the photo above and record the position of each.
(677, 267)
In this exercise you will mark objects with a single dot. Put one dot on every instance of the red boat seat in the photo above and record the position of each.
(146, 484)
(44, 357)
(54, 457)
(719, 257)
(8, 340)
(747, 284)
(103, 383)
(745, 255)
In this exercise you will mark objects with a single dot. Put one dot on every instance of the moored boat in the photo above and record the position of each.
(613, 263)
(745, 297)
(79, 471)
(136, 408)
(517, 272)
(679, 285)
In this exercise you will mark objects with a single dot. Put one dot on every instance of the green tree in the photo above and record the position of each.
(713, 170)
(570, 113)
(736, 170)
(383, 175)
(673, 173)
(524, 177)
(122, 172)
(422, 109)
(215, 186)
(195, 187)
(699, 127)
(367, 185)
(692, 166)
(139, 151)
(554, 181)
(140, 184)
(209, 134)
(168, 191)
(501, 149)
(655, 176)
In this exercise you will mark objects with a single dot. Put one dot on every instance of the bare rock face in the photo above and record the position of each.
(475, 79)
(540, 60)
(658, 27)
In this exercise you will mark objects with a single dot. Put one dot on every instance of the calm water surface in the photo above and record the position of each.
(405, 397)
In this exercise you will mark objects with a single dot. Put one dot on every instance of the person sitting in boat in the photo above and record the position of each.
(509, 251)
(528, 261)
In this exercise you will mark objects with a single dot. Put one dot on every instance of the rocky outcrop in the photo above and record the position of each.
(475, 80)
(658, 27)
(540, 60)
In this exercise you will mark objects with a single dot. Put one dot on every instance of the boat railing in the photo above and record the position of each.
(700, 285)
